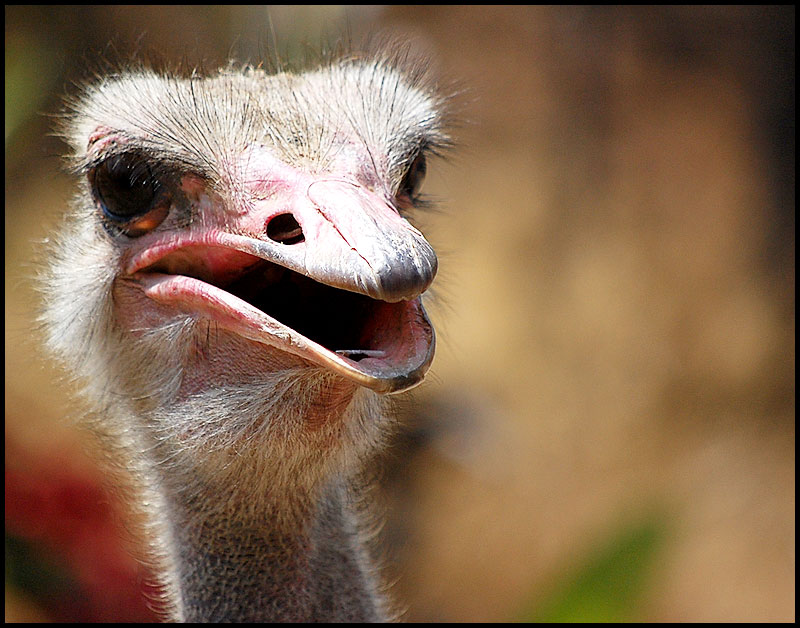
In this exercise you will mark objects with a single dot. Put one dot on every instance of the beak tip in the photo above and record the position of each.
(404, 281)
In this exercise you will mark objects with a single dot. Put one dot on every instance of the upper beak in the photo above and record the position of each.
(354, 240)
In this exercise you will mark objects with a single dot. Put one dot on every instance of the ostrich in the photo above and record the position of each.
(237, 289)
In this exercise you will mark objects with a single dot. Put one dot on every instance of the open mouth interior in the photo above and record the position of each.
(343, 322)
(351, 325)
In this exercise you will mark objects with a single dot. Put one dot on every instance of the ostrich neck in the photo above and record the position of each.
(264, 527)
(266, 566)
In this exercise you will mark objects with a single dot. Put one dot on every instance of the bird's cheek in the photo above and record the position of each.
(134, 312)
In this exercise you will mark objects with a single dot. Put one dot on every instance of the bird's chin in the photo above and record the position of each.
(386, 347)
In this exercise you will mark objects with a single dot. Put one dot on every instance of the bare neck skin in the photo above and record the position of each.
(264, 566)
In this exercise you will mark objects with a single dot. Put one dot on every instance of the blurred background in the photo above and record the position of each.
(608, 429)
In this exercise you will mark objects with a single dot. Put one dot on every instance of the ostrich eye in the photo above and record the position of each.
(128, 193)
(413, 180)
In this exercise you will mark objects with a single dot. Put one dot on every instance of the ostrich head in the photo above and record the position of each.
(239, 234)
(236, 286)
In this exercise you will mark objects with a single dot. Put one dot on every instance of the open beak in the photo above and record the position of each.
(334, 277)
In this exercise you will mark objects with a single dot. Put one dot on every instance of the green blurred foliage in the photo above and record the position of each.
(29, 569)
(611, 581)
(29, 77)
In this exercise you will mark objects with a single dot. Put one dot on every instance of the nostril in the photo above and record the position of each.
(285, 229)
